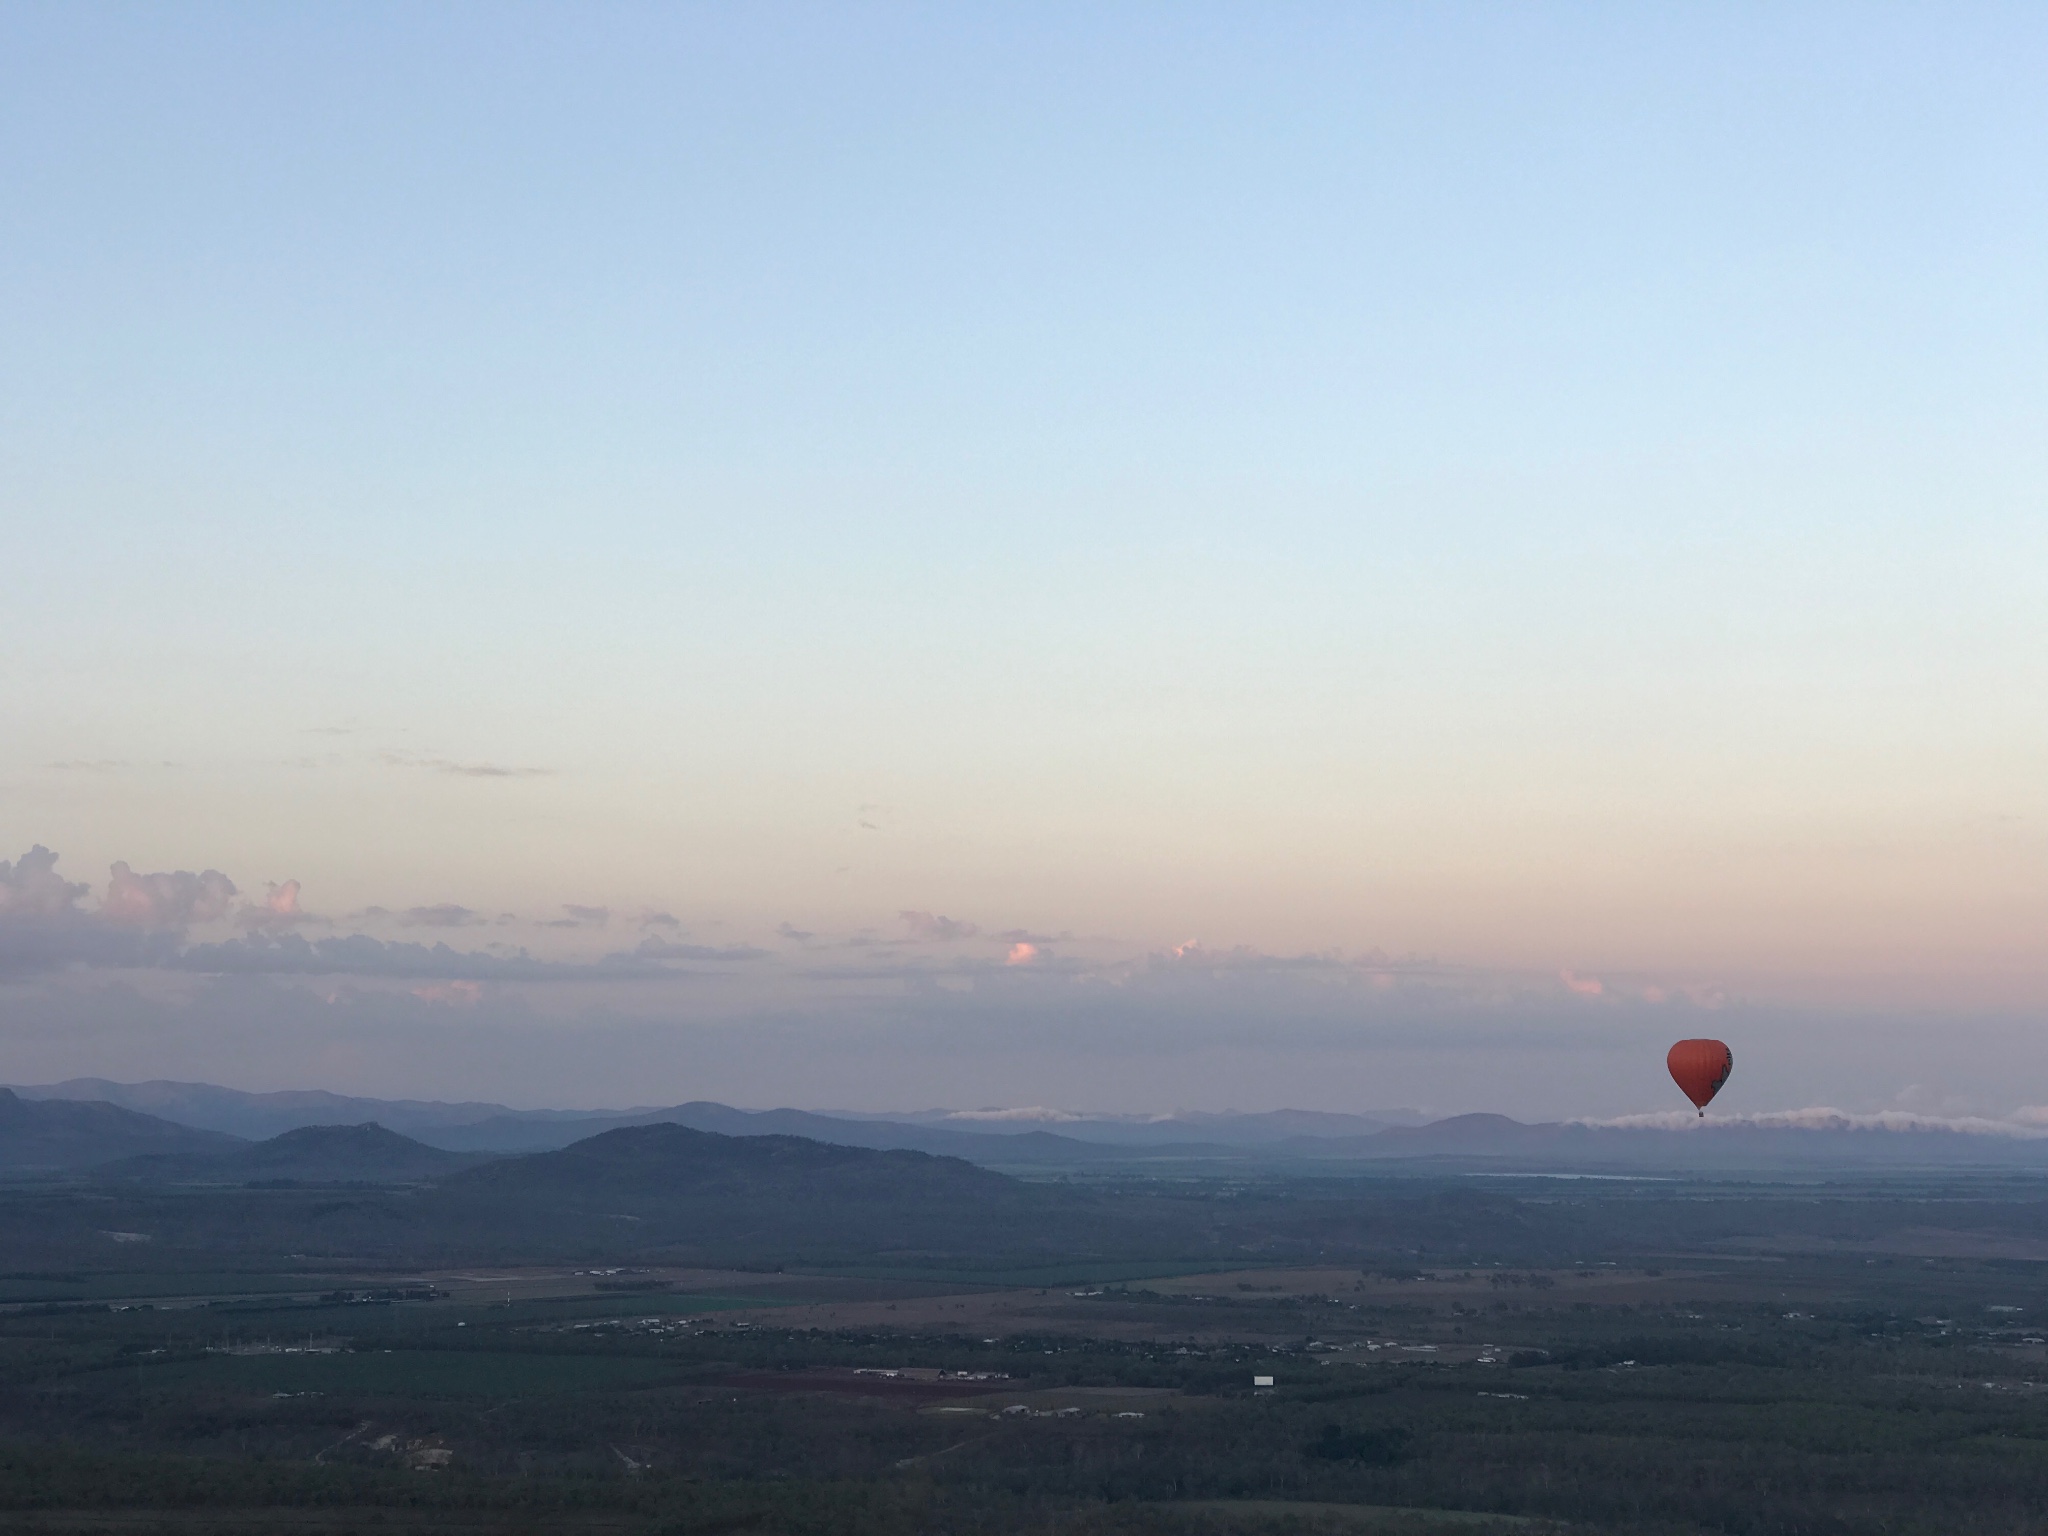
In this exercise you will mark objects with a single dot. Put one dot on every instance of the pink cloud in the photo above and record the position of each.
(1584, 986)
(279, 909)
(165, 900)
(1022, 954)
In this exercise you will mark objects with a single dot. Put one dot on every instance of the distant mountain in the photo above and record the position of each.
(669, 1190)
(1006, 1147)
(314, 1154)
(254, 1116)
(483, 1127)
(668, 1162)
(60, 1135)
(642, 1194)
(1019, 1139)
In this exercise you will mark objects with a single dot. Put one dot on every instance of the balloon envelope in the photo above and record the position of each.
(1700, 1067)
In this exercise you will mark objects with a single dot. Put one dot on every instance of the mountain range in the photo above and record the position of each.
(48, 1137)
(187, 1132)
(484, 1127)
(312, 1154)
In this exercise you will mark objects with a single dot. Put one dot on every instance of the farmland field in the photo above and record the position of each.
(1710, 1386)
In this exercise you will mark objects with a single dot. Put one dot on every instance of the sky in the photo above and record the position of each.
(1112, 556)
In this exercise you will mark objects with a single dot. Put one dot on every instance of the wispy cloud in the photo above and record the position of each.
(360, 955)
(1197, 956)
(937, 929)
(580, 917)
(142, 922)
(461, 769)
(443, 914)
(665, 949)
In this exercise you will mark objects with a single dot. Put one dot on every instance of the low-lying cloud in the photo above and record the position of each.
(668, 949)
(143, 921)
(940, 1014)
(443, 914)
(2025, 1124)
(279, 909)
(30, 887)
(936, 929)
(170, 899)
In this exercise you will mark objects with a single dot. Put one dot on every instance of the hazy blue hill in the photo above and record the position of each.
(521, 1133)
(254, 1116)
(314, 1154)
(1277, 1139)
(670, 1190)
(484, 1127)
(64, 1134)
(1003, 1146)
(666, 1162)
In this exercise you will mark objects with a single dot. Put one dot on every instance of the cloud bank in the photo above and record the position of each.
(2024, 1124)
(959, 1011)
(31, 888)
(143, 921)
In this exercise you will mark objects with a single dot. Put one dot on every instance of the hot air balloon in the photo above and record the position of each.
(1700, 1067)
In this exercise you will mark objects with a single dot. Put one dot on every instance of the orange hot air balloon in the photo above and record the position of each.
(1700, 1067)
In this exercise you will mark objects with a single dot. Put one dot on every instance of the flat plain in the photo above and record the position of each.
(1686, 1370)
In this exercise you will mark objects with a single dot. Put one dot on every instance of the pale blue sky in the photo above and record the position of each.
(1537, 487)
